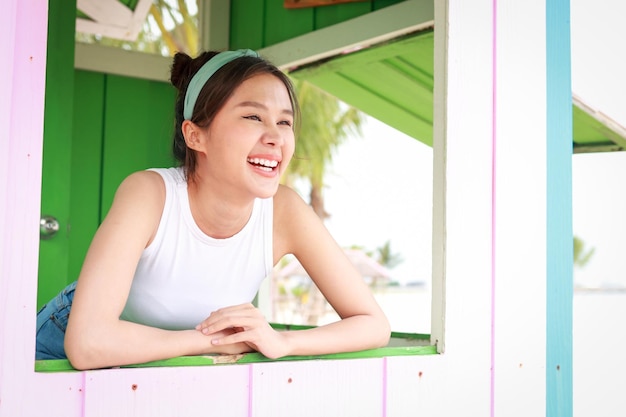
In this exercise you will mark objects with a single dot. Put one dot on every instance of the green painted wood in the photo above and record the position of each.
(211, 360)
(381, 4)
(282, 24)
(55, 193)
(86, 165)
(331, 15)
(247, 24)
(391, 82)
(262, 23)
(589, 132)
(138, 130)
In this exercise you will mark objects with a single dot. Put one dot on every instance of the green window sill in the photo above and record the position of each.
(400, 344)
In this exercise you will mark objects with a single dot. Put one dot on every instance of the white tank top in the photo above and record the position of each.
(184, 275)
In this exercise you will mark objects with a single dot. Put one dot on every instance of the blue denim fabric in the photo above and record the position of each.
(51, 325)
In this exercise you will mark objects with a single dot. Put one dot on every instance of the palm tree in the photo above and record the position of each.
(388, 258)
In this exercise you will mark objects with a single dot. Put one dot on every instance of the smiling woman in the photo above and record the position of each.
(174, 266)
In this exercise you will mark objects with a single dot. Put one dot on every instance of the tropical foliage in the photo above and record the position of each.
(582, 255)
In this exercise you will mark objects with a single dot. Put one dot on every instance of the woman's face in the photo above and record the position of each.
(251, 139)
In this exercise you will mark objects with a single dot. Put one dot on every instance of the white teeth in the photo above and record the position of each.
(263, 162)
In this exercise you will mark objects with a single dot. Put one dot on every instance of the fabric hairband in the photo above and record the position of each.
(205, 72)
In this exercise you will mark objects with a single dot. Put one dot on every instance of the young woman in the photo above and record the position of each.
(175, 264)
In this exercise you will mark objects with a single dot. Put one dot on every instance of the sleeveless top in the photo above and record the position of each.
(184, 275)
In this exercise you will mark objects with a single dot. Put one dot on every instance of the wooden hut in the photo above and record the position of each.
(500, 105)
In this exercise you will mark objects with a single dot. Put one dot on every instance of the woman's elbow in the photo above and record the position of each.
(381, 331)
(80, 352)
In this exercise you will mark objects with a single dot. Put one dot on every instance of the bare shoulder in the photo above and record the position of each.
(142, 182)
(139, 200)
(288, 205)
(294, 220)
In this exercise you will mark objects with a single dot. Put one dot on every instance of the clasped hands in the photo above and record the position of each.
(242, 328)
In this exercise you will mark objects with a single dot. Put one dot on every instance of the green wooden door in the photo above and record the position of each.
(118, 125)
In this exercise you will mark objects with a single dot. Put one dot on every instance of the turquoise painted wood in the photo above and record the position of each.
(560, 274)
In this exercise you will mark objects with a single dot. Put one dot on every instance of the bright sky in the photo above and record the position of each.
(379, 189)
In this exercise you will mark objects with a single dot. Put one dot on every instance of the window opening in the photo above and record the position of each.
(161, 27)
(377, 194)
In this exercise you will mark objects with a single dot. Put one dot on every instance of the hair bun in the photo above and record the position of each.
(180, 70)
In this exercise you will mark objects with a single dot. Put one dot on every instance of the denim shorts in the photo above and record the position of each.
(51, 325)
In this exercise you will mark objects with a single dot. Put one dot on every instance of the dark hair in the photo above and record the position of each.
(214, 94)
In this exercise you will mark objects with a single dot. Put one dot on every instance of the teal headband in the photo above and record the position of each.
(205, 72)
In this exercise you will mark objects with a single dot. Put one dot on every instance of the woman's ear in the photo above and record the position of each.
(192, 134)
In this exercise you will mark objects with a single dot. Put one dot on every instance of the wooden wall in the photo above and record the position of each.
(496, 346)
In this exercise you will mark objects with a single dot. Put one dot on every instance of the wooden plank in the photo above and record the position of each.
(462, 212)
(313, 388)
(372, 103)
(519, 211)
(88, 121)
(334, 14)
(139, 125)
(219, 391)
(55, 187)
(214, 24)
(118, 61)
(23, 28)
(281, 24)
(106, 12)
(373, 28)
(247, 28)
(559, 235)
(415, 386)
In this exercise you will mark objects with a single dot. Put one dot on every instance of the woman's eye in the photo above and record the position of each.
(285, 123)
(252, 117)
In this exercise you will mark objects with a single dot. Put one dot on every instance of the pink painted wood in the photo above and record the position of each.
(318, 388)
(23, 30)
(193, 391)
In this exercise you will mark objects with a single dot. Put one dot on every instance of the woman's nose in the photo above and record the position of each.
(273, 136)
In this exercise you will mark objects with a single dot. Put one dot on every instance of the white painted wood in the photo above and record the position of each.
(106, 12)
(179, 391)
(383, 25)
(139, 17)
(117, 61)
(112, 19)
(467, 113)
(110, 31)
(416, 386)
(440, 128)
(521, 224)
(318, 388)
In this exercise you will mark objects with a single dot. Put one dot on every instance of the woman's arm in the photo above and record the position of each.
(363, 325)
(96, 337)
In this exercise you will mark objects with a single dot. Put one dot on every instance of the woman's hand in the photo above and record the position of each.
(244, 324)
(231, 348)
